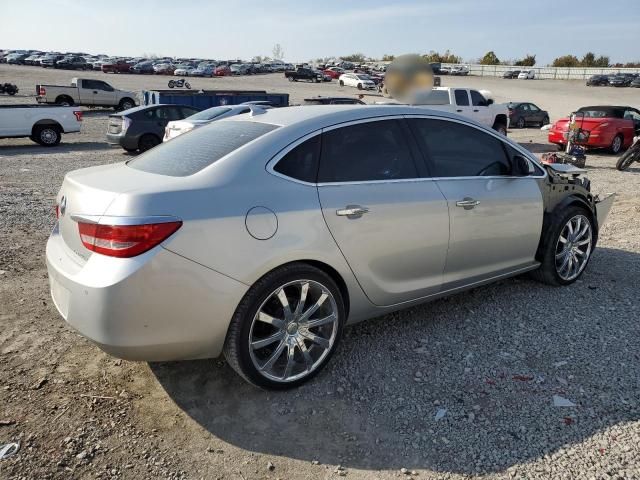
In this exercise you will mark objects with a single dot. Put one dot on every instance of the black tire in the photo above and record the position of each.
(616, 144)
(47, 135)
(546, 255)
(341, 83)
(500, 128)
(125, 104)
(148, 141)
(64, 101)
(171, 84)
(521, 123)
(560, 147)
(236, 347)
(625, 161)
(545, 121)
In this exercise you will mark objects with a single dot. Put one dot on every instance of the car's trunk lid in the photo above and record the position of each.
(87, 193)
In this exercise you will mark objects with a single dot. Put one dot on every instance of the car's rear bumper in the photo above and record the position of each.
(157, 306)
(125, 141)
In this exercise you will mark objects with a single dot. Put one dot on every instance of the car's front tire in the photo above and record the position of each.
(286, 327)
(566, 246)
(616, 144)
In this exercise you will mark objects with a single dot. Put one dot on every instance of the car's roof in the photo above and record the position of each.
(332, 114)
(147, 107)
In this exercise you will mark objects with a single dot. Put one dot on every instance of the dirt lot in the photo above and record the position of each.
(491, 359)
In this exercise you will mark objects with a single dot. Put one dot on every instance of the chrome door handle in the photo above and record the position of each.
(467, 203)
(352, 211)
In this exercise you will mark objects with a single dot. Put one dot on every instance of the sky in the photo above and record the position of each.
(309, 29)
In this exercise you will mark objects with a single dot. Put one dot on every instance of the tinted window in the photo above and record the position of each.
(477, 99)
(301, 163)
(365, 152)
(188, 154)
(456, 150)
(462, 98)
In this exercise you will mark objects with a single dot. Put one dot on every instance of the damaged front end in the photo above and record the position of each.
(566, 185)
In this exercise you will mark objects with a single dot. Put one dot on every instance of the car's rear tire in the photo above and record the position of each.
(47, 135)
(64, 101)
(565, 250)
(616, 144)
(500, 128)
(148, 141)
(275, 348)
(125, 104)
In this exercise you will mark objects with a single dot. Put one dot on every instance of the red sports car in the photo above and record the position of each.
(222, 71)
(333, 72)
(611, 127)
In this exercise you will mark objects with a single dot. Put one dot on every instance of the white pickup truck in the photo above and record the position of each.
(88, 92)
(466, 102)
(42, 124)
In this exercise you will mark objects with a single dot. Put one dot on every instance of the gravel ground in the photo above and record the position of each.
(458, 388)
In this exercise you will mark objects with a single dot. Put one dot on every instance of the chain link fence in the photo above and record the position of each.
(554, 73)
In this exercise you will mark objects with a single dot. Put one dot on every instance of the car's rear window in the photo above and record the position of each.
(191, 152)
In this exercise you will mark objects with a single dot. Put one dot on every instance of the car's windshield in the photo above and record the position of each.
(209, 113)
(188, 154)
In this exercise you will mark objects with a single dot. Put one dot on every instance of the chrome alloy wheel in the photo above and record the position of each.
(48, 136)
(293, 330)
(573, 247)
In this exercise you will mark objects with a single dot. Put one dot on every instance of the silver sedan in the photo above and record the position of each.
(260, 236)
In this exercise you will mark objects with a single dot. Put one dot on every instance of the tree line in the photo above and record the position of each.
(490, 58)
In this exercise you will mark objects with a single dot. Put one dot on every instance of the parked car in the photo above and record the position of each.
(325, 77)
(460, 70)
(527, 75)
(50, 60)
(222, 71)
(183, 70)
(143, 68)
(445, 70)
(597, 81)
(523, 114)
(611, 127)
(334, 72)
(358, 80)
(265, 245)
(200, 119)
(240, 69)
(42, 124)
(620, 81)
(202, 71)
(16, 58)
(304, 74)
(142, 128)
(333, 101)
(86, 91)
(164, 68)
(117, 66)
(635, 83)
(73, 63)
(511, 74)
(33, 59)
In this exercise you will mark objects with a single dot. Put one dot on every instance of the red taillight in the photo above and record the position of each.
(42, 92)
(124, 240)
(57, 211)
(78, 114)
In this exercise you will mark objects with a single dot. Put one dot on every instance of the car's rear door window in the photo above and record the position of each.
(188, 154)
(457, 150)
(367, 151)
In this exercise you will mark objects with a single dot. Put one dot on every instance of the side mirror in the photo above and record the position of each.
(490, 101)
(521, 167)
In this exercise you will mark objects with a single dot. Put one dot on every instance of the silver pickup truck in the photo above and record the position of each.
(42, 124)
(88, 92)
